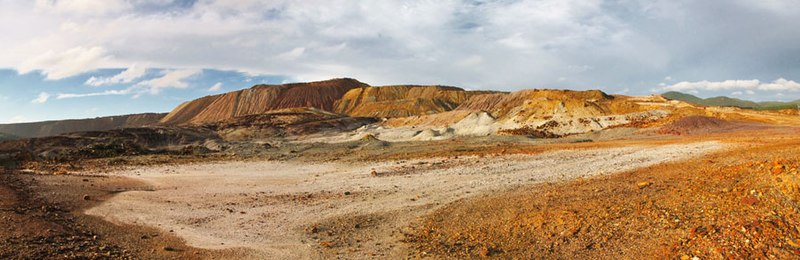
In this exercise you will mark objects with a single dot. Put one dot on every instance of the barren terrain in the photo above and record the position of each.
(270, 206)
(341, 169)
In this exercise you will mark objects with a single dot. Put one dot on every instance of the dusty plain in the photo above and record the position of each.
(662, 195)
(394, 172)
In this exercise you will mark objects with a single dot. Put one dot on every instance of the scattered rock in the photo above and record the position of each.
(749, 201)
(314, 229)
(643, 184)
(326, 244)
(484, 252)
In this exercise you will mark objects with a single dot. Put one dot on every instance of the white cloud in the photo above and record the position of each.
(18, 119)
(127, 76)
(379, 42)
(522, 43)
(780, 84)
(83, 7)
(709, 85)
(96, 94)
(41, 99)
(216, 87)
(750, 92)
(170, 79)
(779, 7)
(471, 61)
(59, 65)
(293, 54)
(737, 93)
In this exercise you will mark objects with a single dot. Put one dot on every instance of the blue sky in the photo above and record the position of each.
(30, 97)
(84, 58)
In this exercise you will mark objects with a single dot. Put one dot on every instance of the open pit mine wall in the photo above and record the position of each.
(260, 99)
(402, 100)
(345, 96)
(51, 128)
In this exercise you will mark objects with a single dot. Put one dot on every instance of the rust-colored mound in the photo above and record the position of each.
(51, 128)
(527, 105)
(260, 99)
(401, 101)
(705, 125)
(286, 122)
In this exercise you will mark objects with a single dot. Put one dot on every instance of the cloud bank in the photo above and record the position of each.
(780, 84)
(127, 76)
(504, 45)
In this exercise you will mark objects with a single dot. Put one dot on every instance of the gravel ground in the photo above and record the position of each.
(361, 210)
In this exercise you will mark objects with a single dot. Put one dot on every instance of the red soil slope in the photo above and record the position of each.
(260, 99)
(402, 101)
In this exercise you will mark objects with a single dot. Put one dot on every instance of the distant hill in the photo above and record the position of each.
(260, 99)
(50, 128)
(5, 137)
(402, 100)
(344, 96)
(723, 101)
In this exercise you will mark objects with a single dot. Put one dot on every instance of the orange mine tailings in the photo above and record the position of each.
(260, 99)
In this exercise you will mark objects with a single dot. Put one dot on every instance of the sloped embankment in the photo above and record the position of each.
(692, 125)
(260, 99)
(540, 113)
(402, 100)
(51, 128)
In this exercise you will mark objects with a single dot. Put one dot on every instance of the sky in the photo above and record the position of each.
(86, 58)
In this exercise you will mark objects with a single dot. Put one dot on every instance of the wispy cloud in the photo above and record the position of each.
(217, 87)
(503, 45)
(169, 79)
(780, 84)
(41, 99)
(17, 119)
(95, 94)
(127, 76)
(57, 65)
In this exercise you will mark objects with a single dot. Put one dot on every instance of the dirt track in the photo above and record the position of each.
(290, 209)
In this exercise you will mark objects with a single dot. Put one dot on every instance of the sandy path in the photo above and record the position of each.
(268, 206)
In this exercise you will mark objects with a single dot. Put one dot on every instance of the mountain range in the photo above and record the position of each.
(723, 101)
(348, 104)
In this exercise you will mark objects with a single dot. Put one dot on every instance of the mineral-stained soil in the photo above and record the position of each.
(707, 125)
(740, 203)
(292, 171)
(636, 196)
(283, 209)
(41, 217)
(260, 99)
(402, 101)
(31, 228)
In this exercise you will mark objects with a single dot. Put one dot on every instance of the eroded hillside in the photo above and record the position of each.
(402, 101)
(260, 99)
(50, 128)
